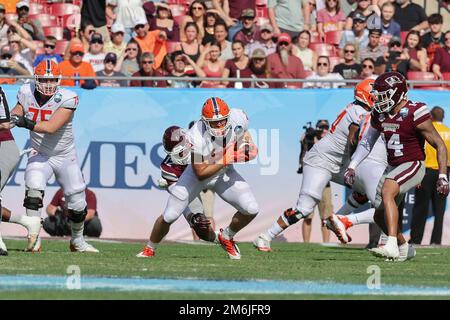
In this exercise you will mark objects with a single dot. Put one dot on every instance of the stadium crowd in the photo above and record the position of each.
(292, 39)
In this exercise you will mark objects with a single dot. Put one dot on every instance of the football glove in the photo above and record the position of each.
(442, 186)
(22, 122)
(349, 177)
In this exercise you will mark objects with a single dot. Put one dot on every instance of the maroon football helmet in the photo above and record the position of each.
(176, 145)
(389, 90)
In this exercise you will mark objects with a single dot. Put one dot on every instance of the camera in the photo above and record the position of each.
(393, 56)
(4, 63)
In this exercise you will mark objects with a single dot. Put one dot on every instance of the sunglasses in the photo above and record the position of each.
(179, 60)
(284, 43)
(131, 49)
(110, 61)
(6, 56)
(197, 8)
(97, 41)
(367, 66)
(147, 62)
(349, 51)
(395, 44)
(14, 42)
(50, 46)
(324, 64)
(139, 26)
(78, 53)
(358, 21)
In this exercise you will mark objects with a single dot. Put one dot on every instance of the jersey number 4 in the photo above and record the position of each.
(43, 115)
(394, 144)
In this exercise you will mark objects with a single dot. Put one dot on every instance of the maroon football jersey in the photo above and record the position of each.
(171, 171)
(403, 142)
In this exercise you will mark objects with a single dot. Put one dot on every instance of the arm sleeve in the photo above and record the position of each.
(364, 147)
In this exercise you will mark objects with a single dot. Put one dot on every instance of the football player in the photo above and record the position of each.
(47, 110)
(325, 162)
(9, 158)
(404, 126)
(218, 139)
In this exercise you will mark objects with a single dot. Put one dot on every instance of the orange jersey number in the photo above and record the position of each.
(44, 114)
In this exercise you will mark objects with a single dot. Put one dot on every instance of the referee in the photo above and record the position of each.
(427, 190)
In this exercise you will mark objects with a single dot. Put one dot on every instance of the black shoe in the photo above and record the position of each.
(372, 245)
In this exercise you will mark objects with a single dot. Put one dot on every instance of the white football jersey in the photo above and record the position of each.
(60, 142)
(211, 147)
(378, 153)
(331, 149)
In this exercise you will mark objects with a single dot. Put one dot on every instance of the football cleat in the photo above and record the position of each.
(147, 252)
(406, 252)
(3, 250)
(262, 243)
(337, 226)
(391, 253)
(229, 246)
(33, 225)
(347, 223)
(80, 245)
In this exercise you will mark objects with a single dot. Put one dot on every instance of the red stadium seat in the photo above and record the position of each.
(261, 3)
(46, 20)
(333, 37)
(71, 21)
(260, 21)
(62, 9)
(315, 37)
(61, 46)
(171, 46)
(323, 49)
(57, 32)
(403, 35)
(417, 75)
(334, 61)
(179, 19)
(36, 8)
(177, 10)
(262, 12)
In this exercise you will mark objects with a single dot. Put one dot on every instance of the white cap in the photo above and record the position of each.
(117, 27)
(140, 20)
(21, 4)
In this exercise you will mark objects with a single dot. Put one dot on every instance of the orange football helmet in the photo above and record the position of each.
(363, 92)
(215, 114)
(48, 77)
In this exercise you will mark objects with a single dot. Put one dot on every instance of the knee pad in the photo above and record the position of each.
(77, 216)
(292, 216)
(76, 201)
(179, 192)
(33, 199)
(251, 209)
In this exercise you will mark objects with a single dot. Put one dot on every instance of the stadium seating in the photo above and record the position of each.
(36, 8)
(46, 20)
(62, 9)
(333, 37)
(57, 32)
(61, 46)
(171, 45)
(417, 75)
(179, 19)
(177, 10)
(71, 21)
(334, 61)
(403, 35)
(315, 37)
(323, 49)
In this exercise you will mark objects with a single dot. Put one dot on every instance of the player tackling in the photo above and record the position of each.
(47, 111)
(404, 126)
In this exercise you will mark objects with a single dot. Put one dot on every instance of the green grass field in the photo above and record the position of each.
(292, 262)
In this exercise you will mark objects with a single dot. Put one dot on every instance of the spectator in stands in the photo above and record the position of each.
(231, 13)
(109, 64)
(259, 69)
(363, 7)
(368, 69)
(220, 35)
(211, 65)
(166, 66)
(180, 60)
(10, 67)
(58, 224)
(147, 70)
(284, 65)
(164, 21)
(265, 41)
(3, 26)
(310, 20)
(237, 67)
(117, 44)
(23, 50)
(410, 16)
(413, 48)
(196, 14)
(441, 62)
(76, 67)
(285, 16)
(323, 68)
(84, 37)
(95, 56)
(210, 21)
(373, 49)
(359, 35)
(394, 60)
(303, 52)
(151, 41)
(330, 18)
(426, 192)
(33, 27)
(128, 63)
(435, 38)
(95, 12)
(350, 68)
(127, 12)
(389, 27)
(191, 46)
(49, 48)
(250, 31)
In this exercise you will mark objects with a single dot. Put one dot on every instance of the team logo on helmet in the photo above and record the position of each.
(393, 80)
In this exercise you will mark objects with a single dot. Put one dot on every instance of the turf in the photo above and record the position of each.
(288, 261)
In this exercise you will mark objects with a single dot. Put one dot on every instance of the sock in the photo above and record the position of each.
(77, 229)
(228, 233)
(363, 217)
(274, 230)
(19, 218)
(33, 213)
(151, 245)
(383, 238)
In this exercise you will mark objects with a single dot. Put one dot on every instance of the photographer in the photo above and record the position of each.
(396, 59)
(308, 139)
(10, 67)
